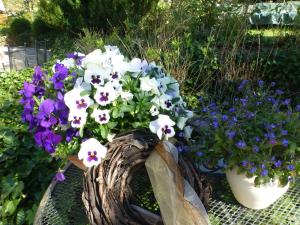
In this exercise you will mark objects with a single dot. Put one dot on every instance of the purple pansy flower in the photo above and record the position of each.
(61, 72)
(28, 90)
(47, 139)
(45, 115)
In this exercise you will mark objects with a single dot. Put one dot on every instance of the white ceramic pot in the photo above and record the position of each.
(248, 195)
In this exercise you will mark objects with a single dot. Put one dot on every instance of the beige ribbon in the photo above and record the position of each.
(179, 204)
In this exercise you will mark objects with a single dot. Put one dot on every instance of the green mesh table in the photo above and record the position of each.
(61, 205)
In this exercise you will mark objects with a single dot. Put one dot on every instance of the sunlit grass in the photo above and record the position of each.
(272, 32)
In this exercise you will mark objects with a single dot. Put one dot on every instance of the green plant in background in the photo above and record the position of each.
(100, 14)
(25, 172)
(19, 31)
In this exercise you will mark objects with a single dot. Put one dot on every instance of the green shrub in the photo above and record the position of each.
(19, 31)
(73, 15)
(25, 171)
(40, 29)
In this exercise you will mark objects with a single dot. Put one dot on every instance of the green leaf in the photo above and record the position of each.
(81, 131)
(10, 207)
(104, 131)
(127, 108)
(84, 93)
(112, 125)
(20, 217)
(115, 113)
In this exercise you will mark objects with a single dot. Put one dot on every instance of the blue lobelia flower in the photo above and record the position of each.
(286, 101)
(278, 163)
(242, 85)
(285, 142)
(255, 149)
(284, 132)
(257, 139)
(260, 83)
(244, 163)
(241, 144)
(279, 92)
(290, 167)
(224, 117)
(264, 173)
(199, 154)
(231, 134)
(252, 170)
(59, 176)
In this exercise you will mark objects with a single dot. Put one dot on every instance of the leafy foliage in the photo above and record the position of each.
(73, 15)
(19, 31)
(25, 171)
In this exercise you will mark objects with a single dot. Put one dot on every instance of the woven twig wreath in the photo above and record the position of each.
(107, 193)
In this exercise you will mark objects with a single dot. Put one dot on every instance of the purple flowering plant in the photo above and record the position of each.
(83, 101)
(255, 130)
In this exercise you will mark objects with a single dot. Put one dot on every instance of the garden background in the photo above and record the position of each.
(207, 45)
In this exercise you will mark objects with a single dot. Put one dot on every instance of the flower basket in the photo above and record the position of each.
(84, 101)
(108, 193)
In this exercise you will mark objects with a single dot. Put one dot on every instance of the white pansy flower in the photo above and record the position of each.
(116, 85)
(105, 95)
(188, 132)
(96, 61)
(75, 101)
(69, 63)
(136, 65)
(126, 95)
(163, 127)
(91, 152)
(165, 102)
(148, 84)
(101, 116)
(81, 85)
(95, 78)
(154, 111)
(112, 50)
(77, 118)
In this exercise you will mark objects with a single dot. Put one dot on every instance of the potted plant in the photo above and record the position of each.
(77, 106)
(83, 101)
(255, 135)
